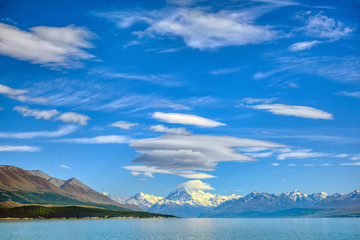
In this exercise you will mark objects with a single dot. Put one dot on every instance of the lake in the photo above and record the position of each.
(158, 229)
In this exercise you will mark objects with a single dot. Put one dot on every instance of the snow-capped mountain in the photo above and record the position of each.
(185, 202)
(266, 203)
(143, 201)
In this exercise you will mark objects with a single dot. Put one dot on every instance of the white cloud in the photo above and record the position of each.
(135, 173)
(194, 185)
(17, 94)
(9, 148)
(56, 46)
(292, 110)
(11, 91)
(325, 164)
(65, 130)
(301, 46)
(203, 28)
(162, 128)
(291, 165)
(302, 153)
(98, 139)
(64, 166)
(275, 164)
(38, 114)
(185, 174)
(355, 94)
(260, 155)
(350, 164)
(257, 100)
(69, 117)
(225, 71)
(321, 26)
(179, 154)
(159, 79)
(123, 125)
(72, 117)
(355, 157)
(187, 119)
(308, 165)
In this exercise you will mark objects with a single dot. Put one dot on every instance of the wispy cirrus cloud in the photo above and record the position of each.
(68, 117)
(355, 94)
(52, 46)
(159, 79)
(301, 46)
(301, 153)
(36, 113)
(225, 71)
(342, 69)
(62, 131)
(350, 164)
(11, 148)
(321, 26)
(123, 125)
(204, 28)
(19, 95)
(176, 154)
(98, 139)
(164, 129)
(187, 119)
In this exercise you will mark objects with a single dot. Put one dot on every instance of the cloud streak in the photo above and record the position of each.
(54, 46)
(18, 94)
(296, 111)
(164, 129)
(187, 119)
(68, 117)
(62, 131)
(123, 125)
(10, 148)
(98, 140)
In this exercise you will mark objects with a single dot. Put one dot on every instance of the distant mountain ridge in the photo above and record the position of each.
(257, 202)
(35, 186)
(181, 202)
(197, 203)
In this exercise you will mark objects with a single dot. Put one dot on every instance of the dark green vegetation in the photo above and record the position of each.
(73, 212)
(26, 197)
(292, 213)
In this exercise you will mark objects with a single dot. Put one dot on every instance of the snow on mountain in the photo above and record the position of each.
(185, 202)
(266, 202)
(143, 201)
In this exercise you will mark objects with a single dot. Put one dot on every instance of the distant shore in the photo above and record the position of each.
(72, 212)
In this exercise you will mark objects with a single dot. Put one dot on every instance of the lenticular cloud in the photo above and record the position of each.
(176, 154)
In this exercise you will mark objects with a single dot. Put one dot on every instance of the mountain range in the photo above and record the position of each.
(36, 187)
(197, 203)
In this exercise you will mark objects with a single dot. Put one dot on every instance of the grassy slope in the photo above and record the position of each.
(26, 197)
(71, 212)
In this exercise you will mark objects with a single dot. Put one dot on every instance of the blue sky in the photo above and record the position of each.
(137, 96)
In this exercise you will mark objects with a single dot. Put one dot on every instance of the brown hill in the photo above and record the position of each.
(14, 179)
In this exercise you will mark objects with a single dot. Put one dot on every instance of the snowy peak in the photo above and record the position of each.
(183, 196)
(143, 201)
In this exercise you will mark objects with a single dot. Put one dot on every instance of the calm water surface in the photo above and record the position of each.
(156, 229)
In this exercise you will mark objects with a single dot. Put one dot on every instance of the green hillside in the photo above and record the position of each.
(26, 197)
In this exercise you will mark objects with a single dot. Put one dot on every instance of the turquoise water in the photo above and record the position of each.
(202, 229)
